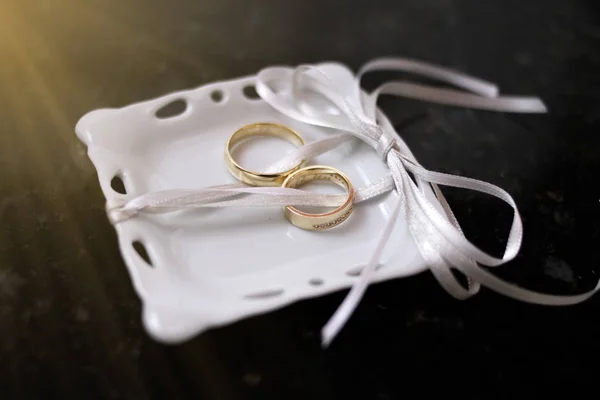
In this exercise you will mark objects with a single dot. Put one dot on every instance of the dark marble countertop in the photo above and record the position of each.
(70, 321)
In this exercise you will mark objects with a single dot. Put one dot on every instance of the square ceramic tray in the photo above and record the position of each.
(214, 266)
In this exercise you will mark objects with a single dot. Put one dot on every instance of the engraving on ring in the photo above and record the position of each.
(335, 222)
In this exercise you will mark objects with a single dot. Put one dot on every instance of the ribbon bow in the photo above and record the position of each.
(436, 232)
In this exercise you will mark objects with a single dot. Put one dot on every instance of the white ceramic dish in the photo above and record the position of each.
(212, 267)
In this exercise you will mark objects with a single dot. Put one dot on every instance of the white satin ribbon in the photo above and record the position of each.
(435, 230)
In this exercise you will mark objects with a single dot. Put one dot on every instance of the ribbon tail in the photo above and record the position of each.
(513, 291)
(442, 271)
(442, 74)
(439, 256)
(345, 310)
(515, 104)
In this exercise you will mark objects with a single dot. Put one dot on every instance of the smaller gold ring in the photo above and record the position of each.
(317, 222)
(261, 129)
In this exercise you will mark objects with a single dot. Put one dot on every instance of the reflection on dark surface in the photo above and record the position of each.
(69, 318)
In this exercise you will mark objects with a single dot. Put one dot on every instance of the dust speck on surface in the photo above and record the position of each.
(9, 283)
(383, 396)
(420, 317)
(82, 314)
(136, 349)
(555, 196)
(42, 306)
(523, 58)
(559, 269)
(564, 219)
(252, 378)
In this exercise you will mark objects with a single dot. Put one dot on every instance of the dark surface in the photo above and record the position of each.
(69, 319)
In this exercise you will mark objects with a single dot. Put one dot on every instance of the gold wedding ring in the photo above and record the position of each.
(261, 129)
(317, 222)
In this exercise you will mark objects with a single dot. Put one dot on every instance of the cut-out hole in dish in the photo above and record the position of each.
(264, 294)
(316, 282)
(217, 96)
(357, 271)
(172, 109)
(142, 252)
(118, 185)
(250, 92)
(354, 272)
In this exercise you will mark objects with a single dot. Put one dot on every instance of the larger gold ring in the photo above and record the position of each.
(317, 222)
(261, 129)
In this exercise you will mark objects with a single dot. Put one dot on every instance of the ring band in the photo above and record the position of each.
(261, 129)
(317, 222)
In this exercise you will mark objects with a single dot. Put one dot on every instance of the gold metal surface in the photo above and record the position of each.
(317, 222)
(260, 129)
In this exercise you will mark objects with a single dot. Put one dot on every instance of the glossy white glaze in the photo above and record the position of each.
(215, 266)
